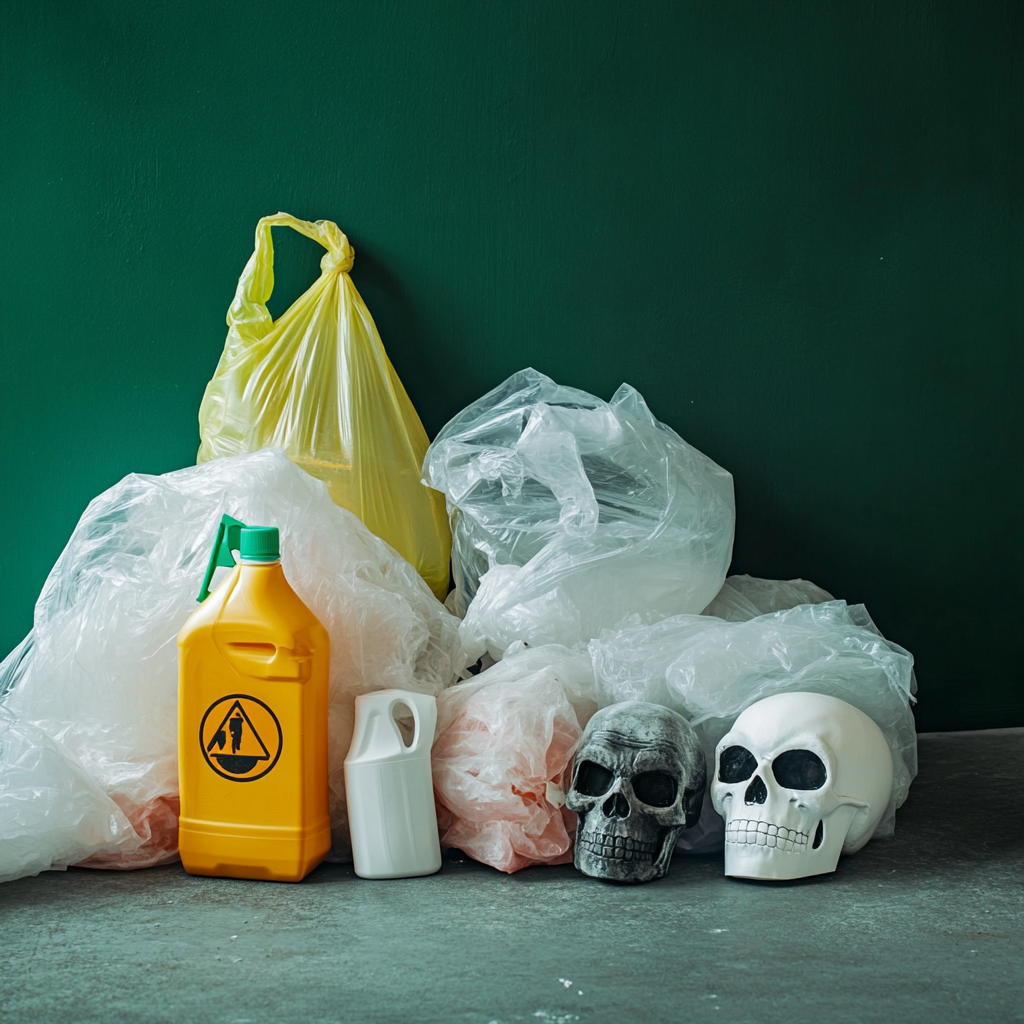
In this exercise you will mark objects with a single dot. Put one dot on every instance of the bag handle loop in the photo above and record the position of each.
(248, 314)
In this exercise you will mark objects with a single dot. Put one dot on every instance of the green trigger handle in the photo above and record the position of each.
(229, 538)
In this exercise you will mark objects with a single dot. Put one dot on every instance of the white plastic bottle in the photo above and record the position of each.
(389, 788)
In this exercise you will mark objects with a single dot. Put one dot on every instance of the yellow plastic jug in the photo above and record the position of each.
(253, 666)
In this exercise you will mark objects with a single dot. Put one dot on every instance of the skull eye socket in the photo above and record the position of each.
(799, 769)
(593, 779)
(736, 764)
(656, 789)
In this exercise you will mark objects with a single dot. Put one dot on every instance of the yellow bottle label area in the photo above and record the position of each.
(244, 757)
(252, 731)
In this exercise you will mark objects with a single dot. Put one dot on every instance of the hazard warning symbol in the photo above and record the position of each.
(240, 737)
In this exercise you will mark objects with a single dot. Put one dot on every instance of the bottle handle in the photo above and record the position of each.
(424, 716)
(376, 735)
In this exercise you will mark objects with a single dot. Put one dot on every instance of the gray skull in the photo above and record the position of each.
(637, 783)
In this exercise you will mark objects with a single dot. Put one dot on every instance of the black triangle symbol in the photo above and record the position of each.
(219, 734)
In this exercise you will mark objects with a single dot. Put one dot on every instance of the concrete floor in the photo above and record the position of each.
(926, 926)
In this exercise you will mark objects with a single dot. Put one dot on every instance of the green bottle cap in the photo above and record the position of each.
(260, 544)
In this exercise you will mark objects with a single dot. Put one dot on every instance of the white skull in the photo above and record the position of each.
(800, 778)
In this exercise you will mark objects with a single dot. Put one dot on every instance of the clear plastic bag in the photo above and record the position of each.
(710, 670)
(318, 384)
(570, 514)
(503, 753)
(101, 675)
(52, 812)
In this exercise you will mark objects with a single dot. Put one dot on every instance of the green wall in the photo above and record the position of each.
(795, 227)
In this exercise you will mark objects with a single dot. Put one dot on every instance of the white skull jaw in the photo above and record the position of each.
(799, 779)
(638, 781)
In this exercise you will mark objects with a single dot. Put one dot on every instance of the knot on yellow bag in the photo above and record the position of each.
(340, 260)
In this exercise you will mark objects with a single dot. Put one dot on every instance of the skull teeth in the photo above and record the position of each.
(616, 847)
(761, 833)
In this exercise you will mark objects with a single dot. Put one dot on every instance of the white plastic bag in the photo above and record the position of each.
(710, 670)
(503, 753)
(52, 812)
(102, 673)
(570, 514)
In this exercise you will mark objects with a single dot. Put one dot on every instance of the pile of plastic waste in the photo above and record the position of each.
(590, 546)
(590, 564)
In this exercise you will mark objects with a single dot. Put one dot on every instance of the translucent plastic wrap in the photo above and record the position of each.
(570, 514)
(101, 675)
(318, 383)
(501, 760)
(745, 597)
(14, 666)
(711, 670)
(52, 812)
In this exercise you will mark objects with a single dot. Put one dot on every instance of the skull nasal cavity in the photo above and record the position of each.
(756, 792)
(616, 806)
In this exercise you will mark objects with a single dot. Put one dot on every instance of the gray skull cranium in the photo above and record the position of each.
(638, 781)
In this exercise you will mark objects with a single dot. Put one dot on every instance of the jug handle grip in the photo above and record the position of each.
(416, 721)
(412, 702)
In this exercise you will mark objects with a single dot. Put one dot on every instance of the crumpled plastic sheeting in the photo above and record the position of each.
(745, 597)
(13, 667)
(102, 673)
(710, 670)
(570, 514)
(503, 753)
(52, 812)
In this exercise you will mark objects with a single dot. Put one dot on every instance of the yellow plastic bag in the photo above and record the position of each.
(319, 384)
